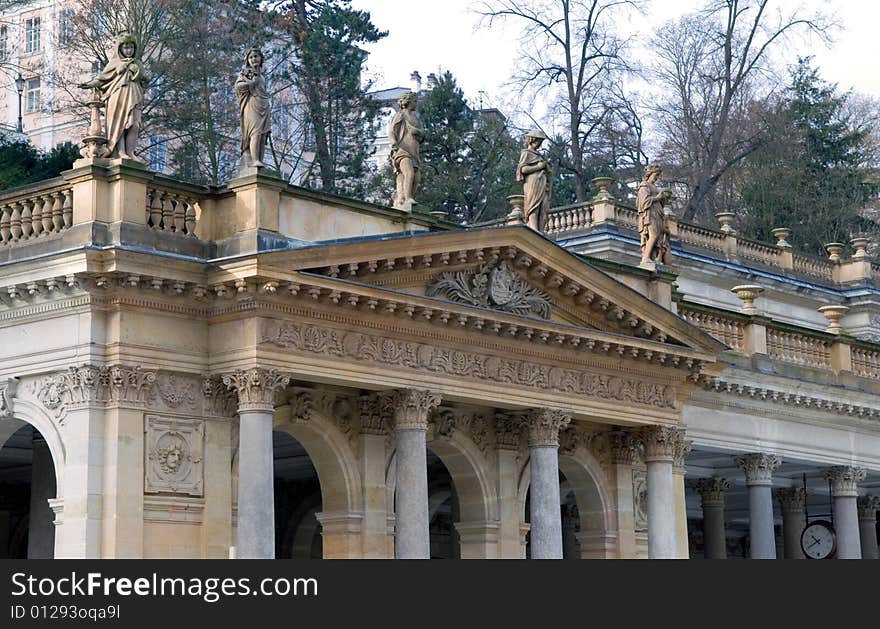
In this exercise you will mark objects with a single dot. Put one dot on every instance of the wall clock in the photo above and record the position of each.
(819, 541)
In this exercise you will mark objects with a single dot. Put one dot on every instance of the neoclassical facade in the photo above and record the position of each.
(261, 371)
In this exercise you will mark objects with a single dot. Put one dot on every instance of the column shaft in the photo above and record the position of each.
(846, 525)
(761, 531)
(868, 537)
(545, 514)
(662, 543)
(256, 492)
(412, 538)
(714, 533)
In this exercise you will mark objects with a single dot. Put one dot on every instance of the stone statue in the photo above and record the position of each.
(534, 173)
(253, 103)
(120, 85)
(651, 203)
(406, 134)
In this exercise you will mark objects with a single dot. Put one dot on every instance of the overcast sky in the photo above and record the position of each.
(429, 35)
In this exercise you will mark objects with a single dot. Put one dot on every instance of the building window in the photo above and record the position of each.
(65, 27)
(33, 95)
(158, 153)
(4, 37)
(32, 35)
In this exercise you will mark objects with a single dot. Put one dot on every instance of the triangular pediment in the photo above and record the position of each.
(508, 272)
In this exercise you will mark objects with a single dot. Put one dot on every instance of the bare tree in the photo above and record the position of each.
(712, 65)
(569, 49)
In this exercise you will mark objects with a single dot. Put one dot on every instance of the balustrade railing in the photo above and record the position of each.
(729, 331)
(28, 215)
(172, 210)
(799, 349)
(866, 362)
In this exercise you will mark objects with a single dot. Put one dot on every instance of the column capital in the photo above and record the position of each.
(544, 425)
(8, 387)
(791, 498)
(758, 467)
(681, 449)
(663, 443)
(412, 406)
(256, 388)
(508, 432)
(868, 506)
(376, 413)
(624, 446)
(711, 490)
(844, 480)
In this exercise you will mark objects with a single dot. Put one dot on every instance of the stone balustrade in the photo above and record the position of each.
(172, 210)
(35, 212)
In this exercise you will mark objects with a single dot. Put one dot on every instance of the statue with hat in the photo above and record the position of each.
(651, 203)
(120, 86)
(533, 171)
(254, 108)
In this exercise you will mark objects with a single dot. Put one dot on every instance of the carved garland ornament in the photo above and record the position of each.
(464, 364)
(493, 286)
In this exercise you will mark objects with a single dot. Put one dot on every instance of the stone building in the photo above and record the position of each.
(258, 370)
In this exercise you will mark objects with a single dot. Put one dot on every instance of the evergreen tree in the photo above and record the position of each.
(810, 174)
(22, 163)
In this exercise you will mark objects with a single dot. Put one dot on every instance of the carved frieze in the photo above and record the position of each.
(8, 387)
(465, 364)
(174, 453)
(495, 286)
(85, 384)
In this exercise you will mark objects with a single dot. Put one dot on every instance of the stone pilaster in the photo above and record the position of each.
(759, 469)
(844, 490)
(543, 426)
(660, 446)
(682, 448)
(868, 506)
(256, 390)
(411, 409)
(375, 413)
(711, 492)
(792, 501)
(508, 441)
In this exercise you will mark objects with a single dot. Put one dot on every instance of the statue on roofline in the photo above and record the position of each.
(406, 134)
(253, 102)
(651, 204)
(534, 173)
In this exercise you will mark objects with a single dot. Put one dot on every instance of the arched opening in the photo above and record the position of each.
(297, 501)
(443, 511)
(27, 483)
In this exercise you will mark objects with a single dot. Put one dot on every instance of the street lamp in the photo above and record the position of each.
(19, 85)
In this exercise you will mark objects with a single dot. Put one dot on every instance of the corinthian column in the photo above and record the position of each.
(759, 477)
(868, 506)
(844, 490)
(661, 444)
(711, 492)
(411, 535)
(792, 501)
(545, 513)
(256, 496)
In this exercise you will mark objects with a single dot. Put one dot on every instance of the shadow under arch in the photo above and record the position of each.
(26, 412)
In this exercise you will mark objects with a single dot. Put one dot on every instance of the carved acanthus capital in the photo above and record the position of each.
(412, 406)
(376, 413)
(791, 499)
(711, 490)
(220, 401)
(508, 432)
(544, 425)
(844, 480)
(682, 448)
(8, 387)
(868, 506)
(624, 447)
(256, 388)
(91, 384)
(758, 467)
(574, 437)
(662, 443)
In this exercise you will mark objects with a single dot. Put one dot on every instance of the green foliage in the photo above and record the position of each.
(22, 163)
(327, 71)
(809, 175)
(468, 157)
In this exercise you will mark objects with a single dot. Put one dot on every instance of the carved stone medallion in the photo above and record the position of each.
(174, 450)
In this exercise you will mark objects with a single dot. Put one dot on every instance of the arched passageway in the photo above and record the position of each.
(297, 501)
(27, 483)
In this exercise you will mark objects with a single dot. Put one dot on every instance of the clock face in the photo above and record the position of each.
(818, 540)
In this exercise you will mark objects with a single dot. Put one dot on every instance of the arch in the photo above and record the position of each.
(26, 412)
(332, 456)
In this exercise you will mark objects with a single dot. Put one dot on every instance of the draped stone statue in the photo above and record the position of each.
(406, 134)
(651, 202)
(120, 86)
(534, 173)
(253, 103)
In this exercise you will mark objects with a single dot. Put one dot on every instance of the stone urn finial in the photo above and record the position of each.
(834, 250)
(748, 293)
(860, 244)
(516, 215)
(726, 221)
(834, 314)
(603, 183)
(781, 234)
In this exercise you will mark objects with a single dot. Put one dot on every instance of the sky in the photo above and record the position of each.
(429, 35)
